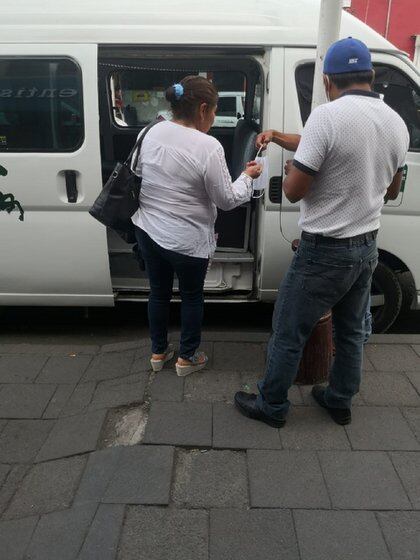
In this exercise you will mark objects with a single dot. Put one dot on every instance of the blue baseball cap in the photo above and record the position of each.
(347, 55)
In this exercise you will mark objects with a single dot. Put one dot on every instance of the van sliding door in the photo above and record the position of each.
(50, 164)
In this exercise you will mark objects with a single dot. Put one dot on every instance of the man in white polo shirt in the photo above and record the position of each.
(349, 158)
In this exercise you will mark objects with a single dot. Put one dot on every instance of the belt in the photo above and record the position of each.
(361, 239)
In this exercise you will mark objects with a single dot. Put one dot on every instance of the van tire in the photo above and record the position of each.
(408, 288)
(385, 281)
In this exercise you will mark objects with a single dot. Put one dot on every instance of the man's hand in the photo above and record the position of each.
(264, 139)
(289, 142)
(394, 188)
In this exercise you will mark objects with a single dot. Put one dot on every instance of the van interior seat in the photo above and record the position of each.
(244, 149)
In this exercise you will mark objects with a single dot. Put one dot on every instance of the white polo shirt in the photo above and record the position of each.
(353, 146)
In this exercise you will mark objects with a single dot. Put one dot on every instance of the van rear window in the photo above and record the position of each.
(41, 105)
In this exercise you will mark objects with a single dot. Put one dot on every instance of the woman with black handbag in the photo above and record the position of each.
(184, 179)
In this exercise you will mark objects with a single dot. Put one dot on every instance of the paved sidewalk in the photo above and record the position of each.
(101, 459)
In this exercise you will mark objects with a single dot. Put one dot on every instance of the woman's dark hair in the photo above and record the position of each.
(342, 81)
(197, 90)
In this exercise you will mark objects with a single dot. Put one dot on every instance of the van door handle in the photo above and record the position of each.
(71, 185)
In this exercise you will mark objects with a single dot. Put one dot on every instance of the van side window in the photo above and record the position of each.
(138, 95)
(41, 105)
(398, 90)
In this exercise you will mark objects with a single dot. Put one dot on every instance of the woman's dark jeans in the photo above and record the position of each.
(191, 272)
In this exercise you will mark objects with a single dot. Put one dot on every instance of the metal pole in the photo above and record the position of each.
(328, 32)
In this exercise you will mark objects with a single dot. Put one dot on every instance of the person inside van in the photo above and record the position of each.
(350, 157)
(185, 180)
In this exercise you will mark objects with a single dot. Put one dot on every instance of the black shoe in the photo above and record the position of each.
(246, 403)
(340, 415)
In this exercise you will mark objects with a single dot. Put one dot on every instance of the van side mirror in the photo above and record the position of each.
(239, 116)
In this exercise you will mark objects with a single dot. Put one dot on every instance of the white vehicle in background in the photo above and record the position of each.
(80, 79)
(230, 108)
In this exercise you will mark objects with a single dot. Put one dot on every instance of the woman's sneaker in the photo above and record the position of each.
(197, 362)
(158, 363)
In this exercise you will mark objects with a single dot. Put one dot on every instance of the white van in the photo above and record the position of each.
(79, 79)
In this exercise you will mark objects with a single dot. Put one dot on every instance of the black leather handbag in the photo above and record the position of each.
(119, 199)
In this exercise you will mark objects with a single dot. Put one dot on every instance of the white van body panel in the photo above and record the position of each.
(169, 22)
(58, 255)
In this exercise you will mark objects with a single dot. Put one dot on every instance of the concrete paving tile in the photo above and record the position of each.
(210, 479)
(109, 366)
(416, 348)
(393, 357)
(186, 423)
(2, 425)
(60, 535)
(11, 484)
(236, 336)
(138, 344)
(79, 399)
(408, 468)
(22, 439)
(143, 476)
(358, 480)
(58, 401)
(380, 428)
(157, 534)
(388, 389)
(73, 435)
(414, 377)
(24, 400)
(120, 392)
(20, 369)
(167, 386)
(102, 540)
(249, 380)
(367, 364)
(48, 349)
(141, 363)
(339, 535)
(401, 532)
(4, 471)
(99, 470)
(238, 356)
(15, 536)
(308, 399)
(64, 369)
(252, 535)
(412, 415)
(311, 428)
(392, 338)
(232, 430)
(47, 487)
(286, 479)
(211, 386)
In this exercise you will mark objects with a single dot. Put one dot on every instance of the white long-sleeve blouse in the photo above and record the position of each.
(185, 180)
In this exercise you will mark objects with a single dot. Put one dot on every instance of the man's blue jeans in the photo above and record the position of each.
(325, 274)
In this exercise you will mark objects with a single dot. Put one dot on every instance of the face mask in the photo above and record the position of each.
(261, 183)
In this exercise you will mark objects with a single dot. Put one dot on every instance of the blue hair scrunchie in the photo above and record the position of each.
(179, 91)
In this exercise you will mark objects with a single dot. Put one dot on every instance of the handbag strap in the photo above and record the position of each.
(137, 146)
